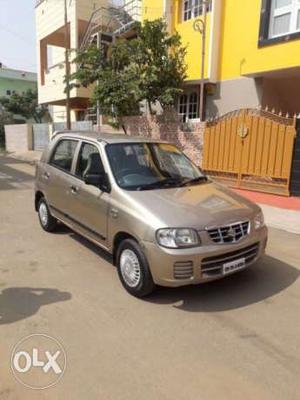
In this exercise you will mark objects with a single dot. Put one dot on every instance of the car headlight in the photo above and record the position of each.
(177, 238)
(259, 220)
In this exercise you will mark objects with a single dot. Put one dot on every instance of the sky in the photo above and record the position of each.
(17, 34)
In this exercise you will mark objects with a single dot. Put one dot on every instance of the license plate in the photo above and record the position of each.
(233, 266)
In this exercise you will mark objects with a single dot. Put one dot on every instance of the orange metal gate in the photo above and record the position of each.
(250, 149)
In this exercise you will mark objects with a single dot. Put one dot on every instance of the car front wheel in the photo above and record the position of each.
(133, 269)
(48, 223)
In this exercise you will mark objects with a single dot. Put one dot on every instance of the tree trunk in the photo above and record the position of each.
(150, 107)
(124, 128)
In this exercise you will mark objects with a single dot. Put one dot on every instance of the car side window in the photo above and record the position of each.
(89, 161)
(62, 157)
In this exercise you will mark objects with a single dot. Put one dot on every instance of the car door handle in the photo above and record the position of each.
(46, 175)
(74, 189)
(114, 213)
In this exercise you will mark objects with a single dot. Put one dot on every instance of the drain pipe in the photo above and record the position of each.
(166, 14)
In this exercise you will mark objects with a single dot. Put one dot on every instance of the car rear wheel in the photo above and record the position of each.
(48, 223)
(133, 269)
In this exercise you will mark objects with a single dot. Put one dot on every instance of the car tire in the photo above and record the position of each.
(133, 269)
(48, 223)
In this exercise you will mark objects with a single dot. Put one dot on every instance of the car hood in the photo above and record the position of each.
(198, 206)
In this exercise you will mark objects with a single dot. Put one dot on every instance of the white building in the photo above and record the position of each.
(86, 18)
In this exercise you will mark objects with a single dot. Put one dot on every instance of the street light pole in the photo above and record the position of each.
(99, 117)
(200, 26)
(67, 62)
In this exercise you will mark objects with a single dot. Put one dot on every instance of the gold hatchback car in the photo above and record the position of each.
(146, 203)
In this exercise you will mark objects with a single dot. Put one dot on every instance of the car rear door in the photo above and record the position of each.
(58, 174)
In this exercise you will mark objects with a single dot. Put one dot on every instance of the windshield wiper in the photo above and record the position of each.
(194, 180)
(168, 182)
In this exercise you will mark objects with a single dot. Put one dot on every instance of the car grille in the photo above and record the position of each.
(183, 270)
(229, 233)
(212, 266)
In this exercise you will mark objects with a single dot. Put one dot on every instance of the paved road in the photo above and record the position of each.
(238, 338)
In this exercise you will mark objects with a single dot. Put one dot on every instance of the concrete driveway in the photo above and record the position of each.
(238, 338)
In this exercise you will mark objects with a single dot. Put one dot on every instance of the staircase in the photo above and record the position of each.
(112, 21)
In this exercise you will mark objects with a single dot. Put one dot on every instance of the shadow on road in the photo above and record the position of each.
(259, 283)
(5, 158)
(64, 230)
(17, 303)
(11, 178)
(93, 247)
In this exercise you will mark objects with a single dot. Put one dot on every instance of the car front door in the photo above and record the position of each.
(58, 173)
(89, 209)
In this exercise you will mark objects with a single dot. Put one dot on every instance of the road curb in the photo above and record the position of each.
(286, 220)
(31, 159)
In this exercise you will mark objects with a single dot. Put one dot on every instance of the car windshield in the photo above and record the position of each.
(147, 166)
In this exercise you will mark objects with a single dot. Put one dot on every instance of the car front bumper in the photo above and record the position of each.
(181, 267)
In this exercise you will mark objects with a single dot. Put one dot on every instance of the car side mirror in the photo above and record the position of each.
(99, 180)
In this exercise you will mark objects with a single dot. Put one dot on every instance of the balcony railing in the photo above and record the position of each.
(38, 2)
(112, 20)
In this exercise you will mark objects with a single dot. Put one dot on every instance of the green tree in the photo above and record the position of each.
(117, 88)
(26, 105)
(163, 63)
(148, 68)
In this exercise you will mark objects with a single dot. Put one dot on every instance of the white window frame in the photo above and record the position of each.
(194, 9)
(183, 106)
(193, 106)
(186, 116)
(293, 9)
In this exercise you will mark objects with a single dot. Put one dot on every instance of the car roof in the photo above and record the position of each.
(109, 138)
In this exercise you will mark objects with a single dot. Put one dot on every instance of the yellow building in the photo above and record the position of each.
(252, 52)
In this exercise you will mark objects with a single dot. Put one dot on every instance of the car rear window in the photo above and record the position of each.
(63, 154)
